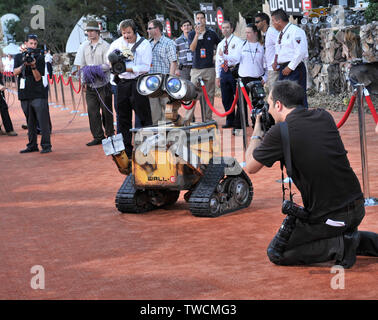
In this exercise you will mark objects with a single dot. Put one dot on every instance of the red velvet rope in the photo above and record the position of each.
(56, 79)
(371, 106)
(68, 82)
(51, 81)
(348, 111)
(214, 110)
(245, 94)
(190, 106)
(73, 87)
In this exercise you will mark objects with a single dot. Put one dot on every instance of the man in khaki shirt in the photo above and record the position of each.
(93, 52)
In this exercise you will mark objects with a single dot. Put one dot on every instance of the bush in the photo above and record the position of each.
(371, 12)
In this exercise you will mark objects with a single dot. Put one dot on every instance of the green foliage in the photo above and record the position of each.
(62, 15)
(371, 12)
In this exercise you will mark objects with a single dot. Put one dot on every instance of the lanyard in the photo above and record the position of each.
(250, 52)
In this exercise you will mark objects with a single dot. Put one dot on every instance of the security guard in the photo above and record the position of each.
(291, 51)
(224, 78)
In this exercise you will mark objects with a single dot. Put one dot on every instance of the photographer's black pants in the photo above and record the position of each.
(319, 242)
(128, 98)
(37, 110)
(7, 122)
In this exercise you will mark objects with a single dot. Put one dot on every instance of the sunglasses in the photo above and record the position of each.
(32, 36)
(151, 28)
(257, 21)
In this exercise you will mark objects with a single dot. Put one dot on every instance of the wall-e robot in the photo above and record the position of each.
(177, 155)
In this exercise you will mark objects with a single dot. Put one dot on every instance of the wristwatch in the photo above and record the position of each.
(256, 137)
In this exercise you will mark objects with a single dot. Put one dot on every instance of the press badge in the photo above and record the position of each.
(203, 53)
(189, 56)
(22, 83)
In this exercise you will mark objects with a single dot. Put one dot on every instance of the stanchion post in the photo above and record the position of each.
(49, 90)
(242, 113)
(202, 101)
(56, 91)
(72, 93)
(363, 147)
(62, 90)
(83, 97)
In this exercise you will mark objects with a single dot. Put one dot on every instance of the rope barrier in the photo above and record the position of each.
(51, 81)
(371, 106)
(212, 107)
(349, 109)
(245, 94)
(73, 87)
(56, 80)
(188, 106)
(68, 82)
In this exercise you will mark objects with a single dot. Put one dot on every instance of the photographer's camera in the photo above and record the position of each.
(259, 105)
(118, 62)
(30, 55)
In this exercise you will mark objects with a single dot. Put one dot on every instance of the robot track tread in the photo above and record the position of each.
(207, 193)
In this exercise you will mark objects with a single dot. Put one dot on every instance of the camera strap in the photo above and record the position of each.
(287, 158)
(136, 45)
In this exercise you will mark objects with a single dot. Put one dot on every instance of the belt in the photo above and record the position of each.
(285, 64)
(187, 66)
(127, 80)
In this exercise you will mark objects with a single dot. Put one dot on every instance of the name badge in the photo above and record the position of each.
(203, 53)
(22, 83)
(189, 56)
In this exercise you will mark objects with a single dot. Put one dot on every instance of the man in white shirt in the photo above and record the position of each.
(262, 23)
(128, 97)
(291, 51)
(223, 75)
(8, 63)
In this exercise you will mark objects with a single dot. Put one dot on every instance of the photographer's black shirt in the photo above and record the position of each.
(33, 89)
(321, 169)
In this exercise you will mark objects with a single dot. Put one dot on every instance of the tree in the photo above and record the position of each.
(61, 16)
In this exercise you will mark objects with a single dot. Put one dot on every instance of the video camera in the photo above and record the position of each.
(118, 61)
(30, 54)
(259, 105)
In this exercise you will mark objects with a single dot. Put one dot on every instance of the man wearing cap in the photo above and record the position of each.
(93, 52)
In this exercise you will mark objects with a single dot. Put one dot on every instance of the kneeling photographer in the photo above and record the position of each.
(33, 93)
(308, 143)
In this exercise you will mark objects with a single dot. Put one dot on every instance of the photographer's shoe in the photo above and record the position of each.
(94, 142)
(351, 242)
(24, 126)
(28, 150)
(47, 150)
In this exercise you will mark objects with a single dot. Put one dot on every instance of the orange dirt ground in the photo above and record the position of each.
(57, 211)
